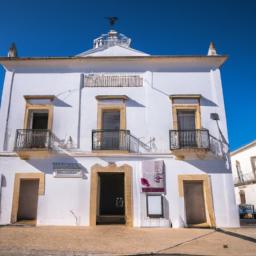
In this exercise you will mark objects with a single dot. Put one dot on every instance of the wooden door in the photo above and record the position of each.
(111, 198)
(194, 202)
(28, 198)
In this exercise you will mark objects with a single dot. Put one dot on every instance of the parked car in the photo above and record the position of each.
(246, 211)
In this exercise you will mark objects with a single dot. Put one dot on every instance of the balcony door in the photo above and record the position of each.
(187, 128)
(38, 125)
(39, 120)
(111, 128)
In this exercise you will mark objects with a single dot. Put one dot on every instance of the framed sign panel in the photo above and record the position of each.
(155, 206)
(153, 176)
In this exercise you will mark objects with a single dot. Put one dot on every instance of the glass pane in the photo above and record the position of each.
(186, 120)
(111, 120)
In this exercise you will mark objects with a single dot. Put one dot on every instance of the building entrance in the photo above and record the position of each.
(28, 198)
(111, 203)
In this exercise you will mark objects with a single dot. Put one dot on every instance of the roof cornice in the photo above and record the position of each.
(76, 62)
(247, 146)
(149, 57)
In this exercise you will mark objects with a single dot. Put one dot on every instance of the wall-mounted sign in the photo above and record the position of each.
(155, 206)
(153, 176)
(67, 170)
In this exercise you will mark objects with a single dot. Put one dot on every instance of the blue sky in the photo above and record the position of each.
(67, 27)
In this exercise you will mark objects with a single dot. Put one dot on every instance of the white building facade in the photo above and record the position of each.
(115, 135)
(244, 172)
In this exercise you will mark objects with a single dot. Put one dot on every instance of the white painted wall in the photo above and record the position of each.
(149, 116)
(149, 112)
(244, 158)
(63, 195)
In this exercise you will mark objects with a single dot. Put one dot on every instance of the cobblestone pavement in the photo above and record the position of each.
(120, 240)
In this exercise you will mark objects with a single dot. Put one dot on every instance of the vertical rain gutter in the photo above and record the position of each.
(79, 109)
(5, 147)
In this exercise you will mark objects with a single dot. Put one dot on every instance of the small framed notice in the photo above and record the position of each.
(67, 170)
(155, 206)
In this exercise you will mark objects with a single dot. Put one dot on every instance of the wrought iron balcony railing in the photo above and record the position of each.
(186, 139)
(33, 139)
(245, 178)
(114, 140)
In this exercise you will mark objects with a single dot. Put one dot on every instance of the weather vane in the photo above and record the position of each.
(112, 20)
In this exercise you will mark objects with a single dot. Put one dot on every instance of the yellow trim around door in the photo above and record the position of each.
(127, 170)
(31, 107)
(16, 189)
(118, 107)
(207, 195)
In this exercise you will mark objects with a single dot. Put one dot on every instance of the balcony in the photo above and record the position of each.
(33, 142)
(114, 140)
(189, 140)
(245, 179)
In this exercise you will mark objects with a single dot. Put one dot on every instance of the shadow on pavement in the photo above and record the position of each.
(166, 254)
(234, 234)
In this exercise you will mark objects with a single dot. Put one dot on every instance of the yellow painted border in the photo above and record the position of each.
(95, 170)
(195, 107)
(210, 216)
(120, 107)
(16, 190)
(30, 107)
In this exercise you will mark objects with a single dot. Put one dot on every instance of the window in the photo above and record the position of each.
(242, 197)
(111, 120)
(155, 206)
(253, 162)
(38, 119)
(111, 112)
(186, 119)
(39, 110)
(239, 171)
(186, 112)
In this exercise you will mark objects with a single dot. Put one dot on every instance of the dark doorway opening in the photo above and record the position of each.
(28, 198)
(111, 205)
(38, 136)
(39, 120)
(194, 202)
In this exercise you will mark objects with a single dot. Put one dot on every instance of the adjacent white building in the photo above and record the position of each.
(115, 135)
(244, 172)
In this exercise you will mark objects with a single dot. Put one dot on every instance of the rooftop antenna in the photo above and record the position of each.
(112, 20)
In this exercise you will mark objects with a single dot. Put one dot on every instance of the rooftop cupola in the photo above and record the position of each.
(112, 38)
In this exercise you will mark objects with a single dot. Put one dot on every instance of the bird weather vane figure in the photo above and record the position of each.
(112, 20)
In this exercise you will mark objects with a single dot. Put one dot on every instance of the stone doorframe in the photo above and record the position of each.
(111, 168)
(16, 189)
(210, 217)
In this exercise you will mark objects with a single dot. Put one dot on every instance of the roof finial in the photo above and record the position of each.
(112, 20)
(12, 52)
(212, 50)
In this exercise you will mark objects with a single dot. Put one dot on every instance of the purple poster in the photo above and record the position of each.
(153, 176)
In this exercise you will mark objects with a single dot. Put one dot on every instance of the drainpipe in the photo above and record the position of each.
(79, 109)
(5, 147)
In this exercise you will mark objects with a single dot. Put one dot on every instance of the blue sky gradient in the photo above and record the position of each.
(67, 27)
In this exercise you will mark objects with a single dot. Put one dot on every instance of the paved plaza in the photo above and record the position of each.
(120, 240)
